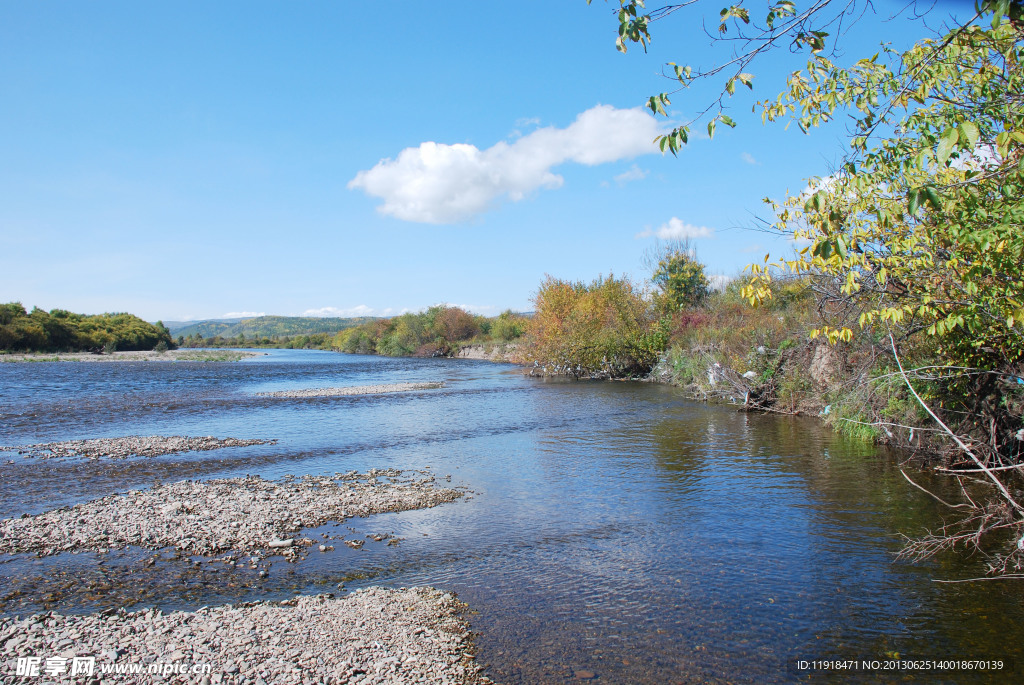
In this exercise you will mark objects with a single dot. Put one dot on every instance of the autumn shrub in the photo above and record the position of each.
(453, 324)
(605, 328)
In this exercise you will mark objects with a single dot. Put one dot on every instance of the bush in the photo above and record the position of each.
(602, 329)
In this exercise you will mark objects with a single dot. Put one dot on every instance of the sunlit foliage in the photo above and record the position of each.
(63, 331)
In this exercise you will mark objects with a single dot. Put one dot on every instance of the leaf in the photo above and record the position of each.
(913, 200)
(946, 143)
(711, 128)
(968, 132)
(933, 197)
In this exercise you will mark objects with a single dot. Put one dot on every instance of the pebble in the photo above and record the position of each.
(353, 390)
(129, 446)
(385, 635)
(205, 518)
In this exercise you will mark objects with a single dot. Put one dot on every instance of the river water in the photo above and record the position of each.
(613, 533)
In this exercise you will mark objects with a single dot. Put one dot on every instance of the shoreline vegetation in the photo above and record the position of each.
(62, 331)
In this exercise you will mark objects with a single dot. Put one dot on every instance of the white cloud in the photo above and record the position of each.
(633, 173)
(749, 159)
(482, 309)
(241, 315)
(719, 281)
(438, 183)
(358, 310)
(675, 229)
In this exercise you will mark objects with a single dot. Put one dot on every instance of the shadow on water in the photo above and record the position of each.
(613, 530)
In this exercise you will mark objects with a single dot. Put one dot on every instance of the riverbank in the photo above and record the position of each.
(505, 353)
(179, 355)
(370, 636)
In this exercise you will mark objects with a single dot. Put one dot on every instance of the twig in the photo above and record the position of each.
(956, 438)
(1011, 576)
(993, 468)
(928, 492)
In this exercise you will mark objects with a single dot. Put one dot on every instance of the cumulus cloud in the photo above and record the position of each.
(242, 315)
(634, 173)
(676, 229)
(438, 183)
(358, 310)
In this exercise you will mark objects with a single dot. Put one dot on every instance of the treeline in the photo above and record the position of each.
(313, 341)
(63, 331)
(276, 328)
(437, 332)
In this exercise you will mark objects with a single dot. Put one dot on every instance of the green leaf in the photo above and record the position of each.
(947, 141)
(968, 132)
(711, 128)
(933, 197)
(913, 200)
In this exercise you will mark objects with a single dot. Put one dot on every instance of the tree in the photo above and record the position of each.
(679, 277)
(916, 240)
(785, 26)
(920, 232)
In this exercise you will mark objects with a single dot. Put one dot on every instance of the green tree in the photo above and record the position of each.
(679, 278)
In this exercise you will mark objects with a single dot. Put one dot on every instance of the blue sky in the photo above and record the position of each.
(195, 160)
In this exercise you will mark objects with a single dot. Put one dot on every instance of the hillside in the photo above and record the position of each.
(265, 326)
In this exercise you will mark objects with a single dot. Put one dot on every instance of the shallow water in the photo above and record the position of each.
(613, 529)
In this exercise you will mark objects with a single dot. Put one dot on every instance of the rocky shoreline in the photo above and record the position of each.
(374, 635)
(129, 446)
(379, 389)
(239, 515)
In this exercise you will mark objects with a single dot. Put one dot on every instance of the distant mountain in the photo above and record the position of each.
(263, 326)
(175, 326)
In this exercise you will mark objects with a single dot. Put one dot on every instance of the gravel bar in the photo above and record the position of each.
(132, 445)
(354, 390)
(130, 356)
(247, 514)
(374, 635)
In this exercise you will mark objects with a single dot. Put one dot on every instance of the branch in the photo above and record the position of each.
(967, 450)
(932, 494)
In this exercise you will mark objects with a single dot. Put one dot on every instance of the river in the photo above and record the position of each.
(614, 532)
